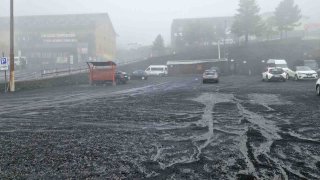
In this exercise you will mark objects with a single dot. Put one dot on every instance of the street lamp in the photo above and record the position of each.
(12, 82)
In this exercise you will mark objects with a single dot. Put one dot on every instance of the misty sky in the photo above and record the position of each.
(139, 21)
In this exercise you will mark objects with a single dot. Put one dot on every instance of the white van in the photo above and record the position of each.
(157, 70)
(281, 63)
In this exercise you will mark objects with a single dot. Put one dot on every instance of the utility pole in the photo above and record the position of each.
(219, 51)
(12, 81)
(224, 38)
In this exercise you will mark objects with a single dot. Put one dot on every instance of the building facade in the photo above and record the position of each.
(199, 32)
(62, 38)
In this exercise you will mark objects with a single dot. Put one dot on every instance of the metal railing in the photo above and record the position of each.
(52, 73)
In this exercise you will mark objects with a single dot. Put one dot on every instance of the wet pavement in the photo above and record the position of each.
(163, 128)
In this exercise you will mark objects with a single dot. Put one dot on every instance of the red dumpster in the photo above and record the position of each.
(102, 72)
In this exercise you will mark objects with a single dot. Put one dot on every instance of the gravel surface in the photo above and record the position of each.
(163, 128)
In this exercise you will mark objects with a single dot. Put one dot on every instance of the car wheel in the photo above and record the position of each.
(318, 90)
(287, 76)
(296, 78)
(267, 78)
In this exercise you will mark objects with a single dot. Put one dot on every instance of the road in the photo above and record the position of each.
(163, 128)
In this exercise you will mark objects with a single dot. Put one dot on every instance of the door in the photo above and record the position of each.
(148, 71)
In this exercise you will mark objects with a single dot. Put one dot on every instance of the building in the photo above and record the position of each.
(199, 32)
(195, 66)
(62, 38)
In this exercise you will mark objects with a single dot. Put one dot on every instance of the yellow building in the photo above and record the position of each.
(62, 38)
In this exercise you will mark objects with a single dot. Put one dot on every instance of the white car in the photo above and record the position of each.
(305, 72)
(274, 74)
(157, 70)
(290, 74)
(318, 87)
(281, 63)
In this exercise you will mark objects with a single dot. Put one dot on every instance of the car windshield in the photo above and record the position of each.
(282, 65)
(157, 69)
(160, 89)
(303, 68)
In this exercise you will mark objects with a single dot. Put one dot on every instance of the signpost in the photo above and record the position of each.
(4, 67)
(12, 81)
(4, 64)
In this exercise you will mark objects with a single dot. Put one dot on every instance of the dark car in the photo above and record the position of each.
(122, 77)
(139, 74)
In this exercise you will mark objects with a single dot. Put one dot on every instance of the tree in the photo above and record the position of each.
(269, 27)
(247, 20)
(287, 15)
(158, 47)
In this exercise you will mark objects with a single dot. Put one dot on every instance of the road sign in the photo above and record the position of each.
(4, 64)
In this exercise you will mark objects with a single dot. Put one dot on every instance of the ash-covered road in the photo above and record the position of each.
(163, 128)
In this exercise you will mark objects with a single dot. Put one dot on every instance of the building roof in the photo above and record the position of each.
(57, 21)
(189, 62)
(207, 20)
(276, 61)
(204, 19)
(108, 63)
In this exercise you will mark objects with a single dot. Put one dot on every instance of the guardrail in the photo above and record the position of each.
(63, 72)
(51, 73)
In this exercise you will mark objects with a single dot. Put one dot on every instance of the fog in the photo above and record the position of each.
(141, 20)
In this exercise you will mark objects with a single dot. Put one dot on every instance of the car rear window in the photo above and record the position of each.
(210, 73)
(276, 71)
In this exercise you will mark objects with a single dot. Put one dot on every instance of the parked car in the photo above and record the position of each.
(122, 77)
(305, 72)
(157, 70)
(318, 87)
(139, 74)
(210, 76)
(281, 63)
(274, 74)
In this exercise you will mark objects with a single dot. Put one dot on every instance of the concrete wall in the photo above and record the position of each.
(49, 83)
